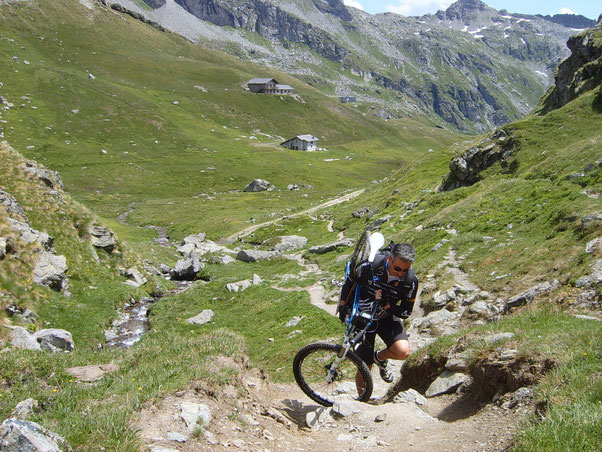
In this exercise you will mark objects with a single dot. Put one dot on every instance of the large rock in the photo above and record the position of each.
(525, 297)
(435, 318)
(259, 185)
(239, 286)
(25, 408)
(136, 278)
(55, 340)
(202, 318)
(410, 396)
(50, 270)
(255, 255)
(51, 178)
(195, 414)
(594, 278)
(290, 242)
(25, 436)
(102, 238)
(187, 269)
(446, 383)
(21, 338)
(322, 249)
(2, 248)
(29, 235)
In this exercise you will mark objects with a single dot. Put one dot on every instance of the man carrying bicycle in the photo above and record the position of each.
(391, 281)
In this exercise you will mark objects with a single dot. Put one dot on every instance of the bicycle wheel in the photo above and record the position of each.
(361, 251)
(312, 364)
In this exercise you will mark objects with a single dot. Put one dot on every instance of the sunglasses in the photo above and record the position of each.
(401, 270)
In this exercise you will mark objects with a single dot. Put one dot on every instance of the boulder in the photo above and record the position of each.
(322, 249)
(255, 255)
(525, 297)
(434, 318)
(25, 408)
(313, 419)
(594, 246)
(202, 318)
(21, 338)
(25, 436)
(591, 221)
(2, 248)
(257, 280)
(347, 407)
(446, 383)
(50, 270)
(51, 178)
(29, 235)
(194, 414)
(410, 396)
(55, 340)
(290, 242)
(136, 278)
(594, 278)
(186, 269)
(259, 185)
(238, 286)
(102, 238)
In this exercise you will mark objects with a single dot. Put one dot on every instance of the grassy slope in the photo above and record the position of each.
(159, 154)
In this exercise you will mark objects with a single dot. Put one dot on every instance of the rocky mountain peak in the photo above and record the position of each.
(466, 11)
(334, 7)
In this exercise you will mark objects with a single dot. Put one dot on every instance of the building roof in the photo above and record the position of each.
(284, 86)
(307, 137)
(260, 81)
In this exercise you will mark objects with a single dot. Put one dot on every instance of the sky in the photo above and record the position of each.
(588, 8)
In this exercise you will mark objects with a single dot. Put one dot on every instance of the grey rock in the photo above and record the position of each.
(456, 365)
(177, 437)
(322, 249)
(587, 317)
(204, 317)
(259, 185)
(195, 239)
(164, 268)
(2, 248)
(439, 245)
(527, 296)
(594, 278)
(135, 276)
(227, 260)
(591, 220)
(434, 318)
(102, 238)
(49, 270)
(195, 414)
(508, 355)
(294, 321)
(594, 246)
(382, 417)
(360, 212)
(410, 396)
(25, 436)
(238, 286)
(162, 449)
(257, 280)
(347, 407)
(11, 205)
(446, 383)
(377, 223)
(482, 308)
(313, 419)
(21, 338)
(186, 269)
(255, 255)
(25, 408)
(290, 242)
(519, 397)
(55, 340)
(29, 235)
(50, 178)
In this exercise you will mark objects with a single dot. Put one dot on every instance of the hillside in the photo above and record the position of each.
(470, 67)
(506, 227)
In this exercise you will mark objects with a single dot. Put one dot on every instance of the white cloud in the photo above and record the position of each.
(418, 7)
(566, 11)
(354, 4)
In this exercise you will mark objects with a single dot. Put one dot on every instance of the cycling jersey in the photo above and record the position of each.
(399, 293)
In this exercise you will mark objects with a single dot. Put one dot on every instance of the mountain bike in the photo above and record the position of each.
(326, 371)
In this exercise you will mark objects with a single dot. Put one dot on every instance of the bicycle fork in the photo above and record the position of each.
(347, 345)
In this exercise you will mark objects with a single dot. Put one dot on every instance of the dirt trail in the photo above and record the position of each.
(330, 203)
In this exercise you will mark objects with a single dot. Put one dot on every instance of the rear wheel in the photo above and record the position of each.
(361, 251)
(312, 364)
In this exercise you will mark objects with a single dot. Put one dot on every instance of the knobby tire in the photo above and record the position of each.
(311, 366)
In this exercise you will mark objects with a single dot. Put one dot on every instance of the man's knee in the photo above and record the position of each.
(400, 349)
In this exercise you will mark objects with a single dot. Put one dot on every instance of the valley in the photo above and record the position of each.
(125, 155)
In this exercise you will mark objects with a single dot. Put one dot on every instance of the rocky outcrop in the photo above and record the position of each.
(579, 73)
(272, 22)
(102, 238)
(259, 185)
(465, 169)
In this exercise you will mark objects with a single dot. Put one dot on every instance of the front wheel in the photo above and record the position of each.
(351, 377)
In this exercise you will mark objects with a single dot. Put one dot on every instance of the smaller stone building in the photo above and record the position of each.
(301, 143)
(268, 86)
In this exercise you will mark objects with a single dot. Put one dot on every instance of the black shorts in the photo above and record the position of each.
(389, 329)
